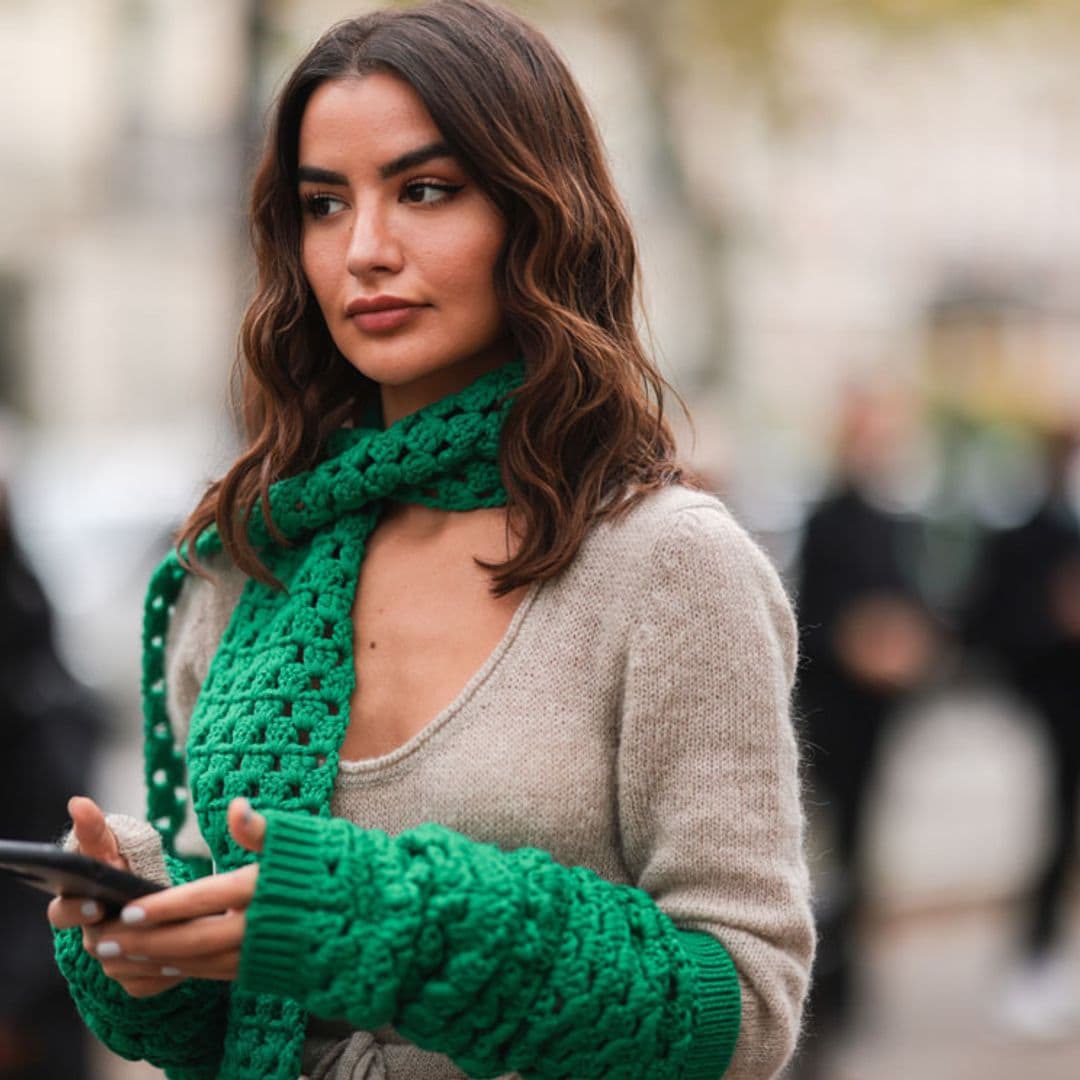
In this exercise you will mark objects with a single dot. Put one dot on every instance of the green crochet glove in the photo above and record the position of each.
(504, 961)
(181, 1030)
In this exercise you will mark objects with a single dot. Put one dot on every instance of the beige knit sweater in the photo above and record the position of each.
(634, 719)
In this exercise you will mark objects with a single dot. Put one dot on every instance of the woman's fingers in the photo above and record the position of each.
(199, 921)
(193, 930)
(94, 836)
(65, 912)
(203, 948)
(209, 936)
(125, 970)
(207, 896)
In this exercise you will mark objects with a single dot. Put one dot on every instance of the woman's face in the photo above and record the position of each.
(398, 244)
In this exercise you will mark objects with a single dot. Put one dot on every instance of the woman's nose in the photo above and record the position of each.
(373, 247)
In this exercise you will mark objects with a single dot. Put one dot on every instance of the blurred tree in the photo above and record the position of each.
(739, 45)
(751, 31)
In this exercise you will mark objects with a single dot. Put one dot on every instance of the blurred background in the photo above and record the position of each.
(861, 239)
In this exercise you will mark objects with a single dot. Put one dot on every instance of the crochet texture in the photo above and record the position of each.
(502, 960)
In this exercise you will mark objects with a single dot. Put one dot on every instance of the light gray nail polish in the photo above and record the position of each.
(132, 914)
(108, 949)
(91, 908)
(170, 971)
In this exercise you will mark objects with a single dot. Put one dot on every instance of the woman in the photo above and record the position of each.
(484, 716)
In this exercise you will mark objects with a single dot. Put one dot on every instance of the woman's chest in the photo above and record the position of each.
(526, 757)
(424, 622)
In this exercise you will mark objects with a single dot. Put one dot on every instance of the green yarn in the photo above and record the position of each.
(122, 1022)
(279, 685)
(503, 960)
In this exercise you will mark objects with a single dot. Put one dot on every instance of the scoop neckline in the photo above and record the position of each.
(350, 767)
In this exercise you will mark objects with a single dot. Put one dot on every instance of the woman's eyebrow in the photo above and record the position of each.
(313, 175)
(437, 149)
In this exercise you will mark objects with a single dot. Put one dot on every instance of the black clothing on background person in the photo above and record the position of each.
(864, 638)
(1025, 615)
(48, 728)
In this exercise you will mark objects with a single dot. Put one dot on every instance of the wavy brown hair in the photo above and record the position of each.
(586, 435)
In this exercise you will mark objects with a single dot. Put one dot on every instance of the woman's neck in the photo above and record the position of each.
(493, 528)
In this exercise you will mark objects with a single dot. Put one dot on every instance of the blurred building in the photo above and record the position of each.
(856, 200)
(120, 280)
(801, 222)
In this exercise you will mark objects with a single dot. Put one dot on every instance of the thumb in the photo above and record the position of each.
(246, 827)
(93, 835)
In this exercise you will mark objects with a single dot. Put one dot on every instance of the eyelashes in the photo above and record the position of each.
(317, 205)
(320, 204)
(442, 191)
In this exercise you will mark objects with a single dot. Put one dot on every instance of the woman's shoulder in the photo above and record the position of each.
(692, 522)
(702, 565)
(680, 550)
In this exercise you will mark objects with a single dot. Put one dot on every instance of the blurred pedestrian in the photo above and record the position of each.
(866, 639)
(1024, 614)
(48, 726)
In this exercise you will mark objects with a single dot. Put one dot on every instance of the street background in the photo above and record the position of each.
(852, 196)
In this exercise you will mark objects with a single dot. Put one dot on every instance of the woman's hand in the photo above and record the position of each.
(96, 839)
(189, 931)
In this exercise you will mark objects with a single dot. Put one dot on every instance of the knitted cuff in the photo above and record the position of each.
(274, 948)
(178, 1029)
(139, 844)
(508, 926)
(719, 1003)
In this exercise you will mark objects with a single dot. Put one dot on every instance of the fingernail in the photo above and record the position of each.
(91, 909)
(245, 812)
(138, 959)
(108, 949)
(170, 971)
(132, 914)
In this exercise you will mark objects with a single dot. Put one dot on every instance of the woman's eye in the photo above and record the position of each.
(318, 206)
(429, 192)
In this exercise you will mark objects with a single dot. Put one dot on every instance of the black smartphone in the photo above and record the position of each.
(63, 873)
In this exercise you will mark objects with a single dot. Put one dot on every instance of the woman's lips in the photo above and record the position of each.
(378, 314)
(383, 319)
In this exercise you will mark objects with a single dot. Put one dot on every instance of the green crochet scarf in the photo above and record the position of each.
(506, 961)
(280, 682)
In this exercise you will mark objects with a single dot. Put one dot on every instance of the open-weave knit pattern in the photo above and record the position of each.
(502, 960)
(195, 1007)
(280, 685)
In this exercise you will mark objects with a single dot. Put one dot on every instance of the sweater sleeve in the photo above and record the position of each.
(506, 961)
(180, 1030)
(709, 805)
